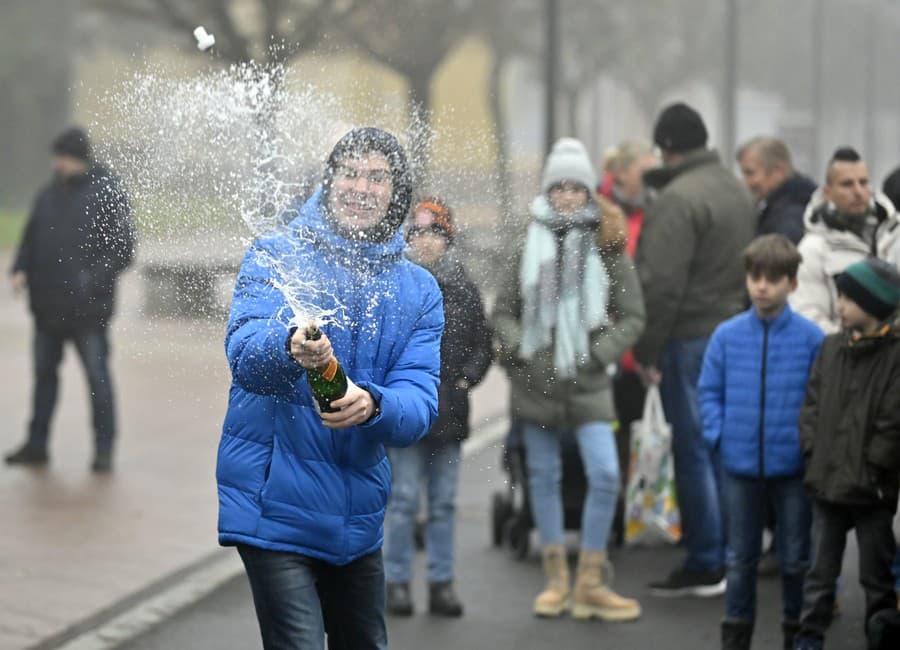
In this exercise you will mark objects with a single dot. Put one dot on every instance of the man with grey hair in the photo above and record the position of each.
(781, 193)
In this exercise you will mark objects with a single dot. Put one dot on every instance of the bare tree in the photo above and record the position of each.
(510, 29)
(664, 44)
(413, 38)
(36, 101)
(268, 31)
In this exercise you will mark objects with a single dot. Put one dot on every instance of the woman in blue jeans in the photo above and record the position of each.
(465, 358)
(568, 309)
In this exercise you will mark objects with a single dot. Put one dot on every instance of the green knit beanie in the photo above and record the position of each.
(873, 284)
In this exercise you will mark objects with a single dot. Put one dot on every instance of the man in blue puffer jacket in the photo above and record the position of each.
(751, 389)
(303, 494)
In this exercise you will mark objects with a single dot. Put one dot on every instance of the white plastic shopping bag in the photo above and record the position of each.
(651, 508)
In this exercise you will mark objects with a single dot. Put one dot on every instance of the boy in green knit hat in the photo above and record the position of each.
(850, 435)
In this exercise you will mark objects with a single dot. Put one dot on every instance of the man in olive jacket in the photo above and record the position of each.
(689, 262)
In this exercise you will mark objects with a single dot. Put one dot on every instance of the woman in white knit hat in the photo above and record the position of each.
(570, 307)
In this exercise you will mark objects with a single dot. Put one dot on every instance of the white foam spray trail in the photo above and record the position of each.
(196, 152)
(200, 151)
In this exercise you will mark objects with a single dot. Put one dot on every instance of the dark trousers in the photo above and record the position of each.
(628, 395)
(697, 467)
(875, 538)
(748, 501)
(93, 349)
(299, 600)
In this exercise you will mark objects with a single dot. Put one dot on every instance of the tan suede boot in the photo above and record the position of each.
(554, 600)
(593, 598)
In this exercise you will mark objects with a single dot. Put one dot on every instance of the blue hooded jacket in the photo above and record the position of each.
(751, 389)
(286, 482)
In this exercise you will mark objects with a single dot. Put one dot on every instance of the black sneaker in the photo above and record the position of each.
(102, 462)
(442, 600)
(28, 454)
(682, 582)
(399, 600)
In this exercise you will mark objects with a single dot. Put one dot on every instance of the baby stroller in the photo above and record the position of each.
(511, 520)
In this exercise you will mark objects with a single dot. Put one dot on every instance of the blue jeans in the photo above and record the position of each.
(597, 445)
(696, 464)
(93, 350)
(438, 466)
(747, 499)
(299, 600)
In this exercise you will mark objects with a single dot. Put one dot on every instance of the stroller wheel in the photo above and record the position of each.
(501, 510)
(517, 532)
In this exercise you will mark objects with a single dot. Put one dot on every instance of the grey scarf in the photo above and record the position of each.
(564, 286)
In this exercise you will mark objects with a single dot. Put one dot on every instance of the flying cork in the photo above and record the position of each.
(204, 39)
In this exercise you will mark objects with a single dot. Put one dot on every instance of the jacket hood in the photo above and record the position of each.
(798, 187)
(313, 225)
(658, 177)
(604, 215)
(372, 140)
(817, 219)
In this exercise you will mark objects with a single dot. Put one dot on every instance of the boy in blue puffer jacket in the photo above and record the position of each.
(751, 388)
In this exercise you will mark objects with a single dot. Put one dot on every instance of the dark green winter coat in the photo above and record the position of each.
(689, 252)
(536, 395)
(850, 422)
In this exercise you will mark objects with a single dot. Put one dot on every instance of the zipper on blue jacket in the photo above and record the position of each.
(762, 402)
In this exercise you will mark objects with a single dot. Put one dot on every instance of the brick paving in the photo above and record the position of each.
(74, 544)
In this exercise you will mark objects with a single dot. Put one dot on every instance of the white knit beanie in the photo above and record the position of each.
(568, 161)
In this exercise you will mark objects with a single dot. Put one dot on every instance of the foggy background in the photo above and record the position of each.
(818, 73)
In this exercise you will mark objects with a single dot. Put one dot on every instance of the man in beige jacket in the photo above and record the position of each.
(846, 221)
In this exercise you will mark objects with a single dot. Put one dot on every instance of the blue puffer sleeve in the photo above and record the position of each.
(408, 397)
(711, 388)
(258, 331)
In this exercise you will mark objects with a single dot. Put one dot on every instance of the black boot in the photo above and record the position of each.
(28, 454)
(736, 635)
(102, 462)
(790, 629)
(399, 600)
(442, 600)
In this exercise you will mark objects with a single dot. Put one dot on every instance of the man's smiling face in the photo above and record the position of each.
(361, 191)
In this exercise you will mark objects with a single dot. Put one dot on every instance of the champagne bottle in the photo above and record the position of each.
(327, 382)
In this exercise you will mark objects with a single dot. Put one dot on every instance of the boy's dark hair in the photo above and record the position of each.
(773, 257)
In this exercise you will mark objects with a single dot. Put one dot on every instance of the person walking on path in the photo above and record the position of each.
(689, 261)
(568, 311)
(780, 191)
(751, 388)
(465, 357)
(78, 239)
(302, 494)
(850, 437)
(846, 221)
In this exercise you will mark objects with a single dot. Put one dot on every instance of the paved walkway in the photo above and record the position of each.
(74, 545)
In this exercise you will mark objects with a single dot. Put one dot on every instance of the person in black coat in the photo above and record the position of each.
(466, 355)
(78, 239)
(891, 187)
(850, 438)
(781, 193)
